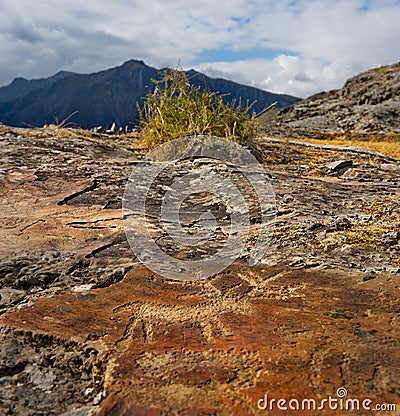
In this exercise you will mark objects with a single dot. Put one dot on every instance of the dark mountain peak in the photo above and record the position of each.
(134, 62)
(63, 74)
(108, 96)
(192, 72)
(19, 80)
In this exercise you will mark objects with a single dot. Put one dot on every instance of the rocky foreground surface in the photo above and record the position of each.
(87, 330)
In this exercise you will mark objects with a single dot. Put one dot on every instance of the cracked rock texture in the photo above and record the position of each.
(368, 103)
(87, 330)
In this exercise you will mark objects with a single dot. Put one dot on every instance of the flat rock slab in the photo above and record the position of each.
(87, 330)
(218, 346)
(340, 165)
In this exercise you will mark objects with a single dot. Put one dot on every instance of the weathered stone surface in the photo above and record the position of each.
(367, 103)
(174, 346)
(87, 330)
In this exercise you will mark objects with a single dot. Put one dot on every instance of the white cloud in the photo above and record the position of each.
(283, 74)
(329, 40)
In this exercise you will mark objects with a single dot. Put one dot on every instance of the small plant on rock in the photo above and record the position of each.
(176, 108)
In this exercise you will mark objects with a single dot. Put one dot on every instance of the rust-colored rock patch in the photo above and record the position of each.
(174, 346)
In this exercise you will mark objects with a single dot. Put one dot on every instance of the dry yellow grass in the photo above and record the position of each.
(384, 220)
(388, 148)
(388, 144)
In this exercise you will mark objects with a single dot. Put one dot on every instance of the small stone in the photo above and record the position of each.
(339, 165)
(394, 235)
(297, 261)
(316, 226)
(369, 276)
(85, 296)
(82, 288)
(88, 391)
(287, 198)
(98, 398)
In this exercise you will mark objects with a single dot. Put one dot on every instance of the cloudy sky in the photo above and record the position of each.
(296, 47)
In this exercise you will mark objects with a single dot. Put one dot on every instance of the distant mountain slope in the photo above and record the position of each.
(368, 103)
(106, 97)
(21, 86)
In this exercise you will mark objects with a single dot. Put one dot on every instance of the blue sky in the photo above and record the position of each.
(230, 55)
(293, 47)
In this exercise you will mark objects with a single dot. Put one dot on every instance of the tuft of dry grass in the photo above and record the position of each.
(176, 109)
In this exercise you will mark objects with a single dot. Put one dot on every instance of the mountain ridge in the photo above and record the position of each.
(107, 96)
